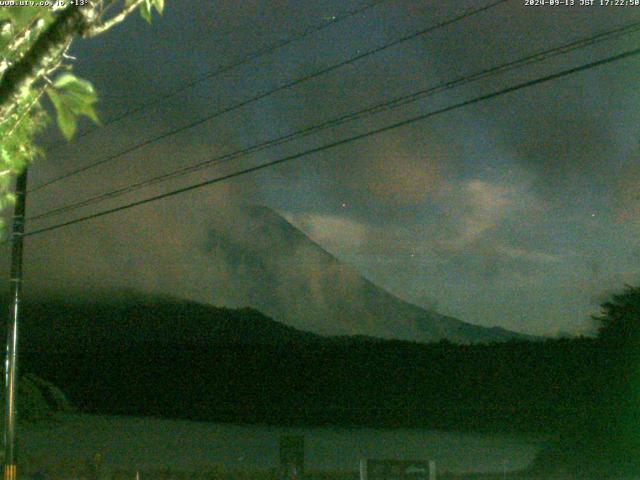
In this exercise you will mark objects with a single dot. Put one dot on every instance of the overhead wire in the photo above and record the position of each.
(468, 13)
(269, 49)
(547, 78)
(342, 119)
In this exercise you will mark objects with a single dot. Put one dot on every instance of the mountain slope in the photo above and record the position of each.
(240, 257)
(133, 354)
(275, 268)
(126, 319)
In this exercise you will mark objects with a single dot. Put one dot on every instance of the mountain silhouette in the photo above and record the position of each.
(241, 257)
(273, 267)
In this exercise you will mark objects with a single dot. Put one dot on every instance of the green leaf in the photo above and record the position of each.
(72, 97)
(70, 81)
(145, 10)
(159, 4)
(147, 6)
(66, 120)
(6, 200)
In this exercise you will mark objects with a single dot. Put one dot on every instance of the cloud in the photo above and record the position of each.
(479, 231)
(155, 247)
(401, 175)
(337, 234)
(626, 198)
(518, 253)
(601, 287)
(473, 209)
(472, 226)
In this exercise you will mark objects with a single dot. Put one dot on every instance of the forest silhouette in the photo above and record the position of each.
(581, 392)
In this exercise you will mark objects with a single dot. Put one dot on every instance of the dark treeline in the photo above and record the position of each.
(525, 386)
(210, 364)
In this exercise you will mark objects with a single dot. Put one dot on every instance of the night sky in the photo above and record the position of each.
(522, 211)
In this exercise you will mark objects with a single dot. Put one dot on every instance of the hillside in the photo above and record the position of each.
(126, 318)
(244, 257)
(272, 266)
(140, 355)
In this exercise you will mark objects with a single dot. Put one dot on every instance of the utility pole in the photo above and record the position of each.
(11, 360)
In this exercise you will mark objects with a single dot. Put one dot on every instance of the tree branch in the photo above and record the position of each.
(20, 39)
(41, 91)
(27, 110)
(44, 52)
(113, 21)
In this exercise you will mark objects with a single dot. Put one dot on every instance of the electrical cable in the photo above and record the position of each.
(226, 68)
(268, 93)
(424, 116)
(340, 120)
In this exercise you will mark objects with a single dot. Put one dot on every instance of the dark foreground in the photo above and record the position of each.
(88, 471)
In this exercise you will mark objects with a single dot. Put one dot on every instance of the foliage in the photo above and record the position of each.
(147, 7)
(606, 445)
(72, 98)
(39, 399)
(33, 48)
(620, 318)
(237, 365)
(18, 147)
(55, 398)
(581, 390)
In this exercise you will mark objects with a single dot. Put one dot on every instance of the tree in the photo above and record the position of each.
(34, 45)
(604, 441)
(34, 42)
(620, 318)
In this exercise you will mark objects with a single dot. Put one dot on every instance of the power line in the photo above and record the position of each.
(283, 87)
(387, 105)
(238, 63)
(530, 83)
